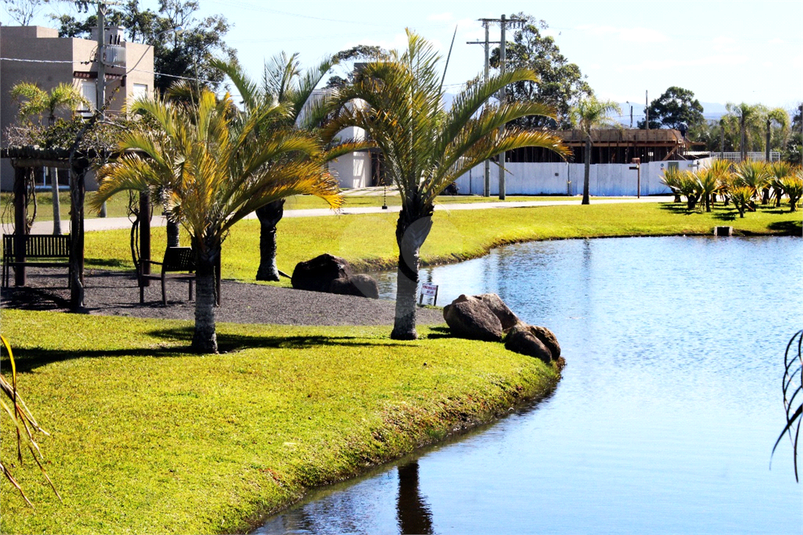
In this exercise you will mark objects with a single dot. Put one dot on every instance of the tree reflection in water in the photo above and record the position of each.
(413, 512)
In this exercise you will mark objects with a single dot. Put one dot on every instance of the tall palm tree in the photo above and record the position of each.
(213, 171)
(400, 103)
(780, 117)
(749, 120)
(283, 83)
(590, 114)
(35, 101)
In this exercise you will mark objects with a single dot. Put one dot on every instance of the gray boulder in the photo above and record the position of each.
(469, 317)
(506, 316)
(524, 339)
(547, 338)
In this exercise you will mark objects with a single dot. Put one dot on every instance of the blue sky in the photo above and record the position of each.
(734, 51)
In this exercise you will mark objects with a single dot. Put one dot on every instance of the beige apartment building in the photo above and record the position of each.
(37, 54)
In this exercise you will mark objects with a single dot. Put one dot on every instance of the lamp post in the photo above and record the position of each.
(637, 167)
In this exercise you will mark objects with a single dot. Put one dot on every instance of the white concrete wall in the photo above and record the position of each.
(611, 180)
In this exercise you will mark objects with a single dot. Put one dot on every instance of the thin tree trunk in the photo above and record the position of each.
(269, 216)
(743, 141)
(77, 194)
(54, 181)
(204, 339)
(587, 174)
(411, 232)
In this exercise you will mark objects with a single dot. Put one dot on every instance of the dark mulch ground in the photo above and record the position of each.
(116, 294)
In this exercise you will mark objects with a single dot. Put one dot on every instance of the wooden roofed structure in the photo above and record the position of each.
(24, 160)
(612, 146)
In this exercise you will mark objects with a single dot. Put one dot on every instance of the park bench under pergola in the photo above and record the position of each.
(24, 161)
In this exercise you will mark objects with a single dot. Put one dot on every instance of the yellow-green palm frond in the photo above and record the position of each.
(751, 174)
(211, 168)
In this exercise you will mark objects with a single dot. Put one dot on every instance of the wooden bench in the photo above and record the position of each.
(41, 250)
(178, 264)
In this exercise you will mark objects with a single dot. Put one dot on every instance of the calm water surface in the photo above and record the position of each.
(664, 419)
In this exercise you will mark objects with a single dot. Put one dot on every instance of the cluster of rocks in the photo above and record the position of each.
(331, 274)
(487, 317)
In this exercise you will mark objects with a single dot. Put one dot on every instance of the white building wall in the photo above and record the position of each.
(605, 180)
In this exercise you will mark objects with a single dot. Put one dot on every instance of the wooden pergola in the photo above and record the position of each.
(24, 159)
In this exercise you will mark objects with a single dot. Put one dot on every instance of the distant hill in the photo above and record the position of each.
(712, 111)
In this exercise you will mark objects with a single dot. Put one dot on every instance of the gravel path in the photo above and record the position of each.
(117, 294)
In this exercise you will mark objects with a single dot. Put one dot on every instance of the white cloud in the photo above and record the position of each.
(713, 61)
(441, 17)
(724, 44)
(631, 35)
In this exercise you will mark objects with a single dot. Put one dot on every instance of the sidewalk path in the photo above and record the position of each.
(111, 223)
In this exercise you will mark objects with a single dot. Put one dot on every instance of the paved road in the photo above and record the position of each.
(110, 223)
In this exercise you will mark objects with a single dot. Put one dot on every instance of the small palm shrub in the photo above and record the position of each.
(753, 175)
(793, 188)
(779, 171)
(708, 185)
(723, 171)
(742, 197)
(671, 180)
(690, 188)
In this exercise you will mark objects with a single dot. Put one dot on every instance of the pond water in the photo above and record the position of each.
(663, 422)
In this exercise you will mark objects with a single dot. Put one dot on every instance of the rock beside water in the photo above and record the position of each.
(487, 317)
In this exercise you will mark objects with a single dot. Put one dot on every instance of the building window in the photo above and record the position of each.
(139, 91)
(89, 92)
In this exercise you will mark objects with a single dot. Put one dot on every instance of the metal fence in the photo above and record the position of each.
(755, 156)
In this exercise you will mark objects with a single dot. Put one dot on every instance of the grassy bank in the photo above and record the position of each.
(368, 240)
(148, 439)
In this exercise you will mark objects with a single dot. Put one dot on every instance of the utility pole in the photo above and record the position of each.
(100, 86)
(502, 100)
(647, 109)
(486, 185)
(503, 22)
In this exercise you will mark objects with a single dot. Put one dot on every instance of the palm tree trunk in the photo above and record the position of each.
(173, 233)
(269, 216)
(587, 173)
(411, 232)
(54, 182)
(743, 140)
(204, 339)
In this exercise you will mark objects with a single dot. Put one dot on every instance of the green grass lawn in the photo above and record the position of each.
(148, 439)
(368, 241)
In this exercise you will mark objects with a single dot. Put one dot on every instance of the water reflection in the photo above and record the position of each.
(412, 509)
(664, 419)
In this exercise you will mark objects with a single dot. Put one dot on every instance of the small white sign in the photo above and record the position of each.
(428, 289)
(430, 292)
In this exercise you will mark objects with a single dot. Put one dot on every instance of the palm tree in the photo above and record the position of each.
(671, 179)
(779, 171)
(35, 102)
(213, 171)
(724, 176)
(709, 183)
(400, 103)
(752, 175)
(590, 114)
(793, 188)
(284, 83)
(749, 119)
